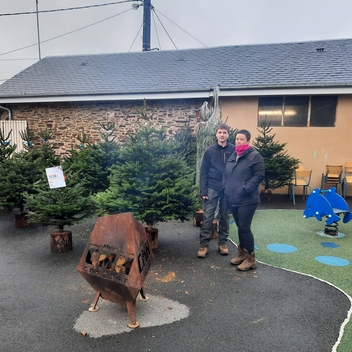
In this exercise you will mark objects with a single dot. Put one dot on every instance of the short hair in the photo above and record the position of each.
(223, 126)
(246, 133)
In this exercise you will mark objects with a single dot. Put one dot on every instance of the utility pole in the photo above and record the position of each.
(40, 55)
(146, 24)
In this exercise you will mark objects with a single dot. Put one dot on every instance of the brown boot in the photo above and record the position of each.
(239, 257)
(202, 252)
(249, 262)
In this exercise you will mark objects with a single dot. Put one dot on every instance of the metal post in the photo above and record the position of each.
(40, 56)
(146, 24)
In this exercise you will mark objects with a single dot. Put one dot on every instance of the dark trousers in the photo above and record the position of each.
(243, 216)
(215, 199)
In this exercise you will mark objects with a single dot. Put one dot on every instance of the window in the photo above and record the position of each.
(323, 111)
(298, 111)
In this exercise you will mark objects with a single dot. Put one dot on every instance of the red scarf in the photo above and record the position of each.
(240, 149)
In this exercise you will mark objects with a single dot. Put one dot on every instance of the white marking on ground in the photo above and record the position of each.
(112, 319)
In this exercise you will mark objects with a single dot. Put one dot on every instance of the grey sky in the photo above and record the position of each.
(211, 22)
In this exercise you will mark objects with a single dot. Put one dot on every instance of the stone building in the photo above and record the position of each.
(303, 89)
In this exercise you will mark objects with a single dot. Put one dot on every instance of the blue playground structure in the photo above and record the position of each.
(329, 204)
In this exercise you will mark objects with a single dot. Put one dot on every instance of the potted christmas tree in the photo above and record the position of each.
(279, 166)
(19, 173)
(59, 207)
(152, 181)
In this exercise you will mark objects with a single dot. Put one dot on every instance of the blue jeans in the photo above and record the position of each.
(243, 216)
(209, 207)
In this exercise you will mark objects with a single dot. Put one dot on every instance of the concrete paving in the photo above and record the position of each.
(195, 304)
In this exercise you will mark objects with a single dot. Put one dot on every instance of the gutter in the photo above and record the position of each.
(201, 94)
(8, 110)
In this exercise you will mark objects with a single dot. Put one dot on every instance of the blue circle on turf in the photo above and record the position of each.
(329, 244)
(281, 248)
(333, 261)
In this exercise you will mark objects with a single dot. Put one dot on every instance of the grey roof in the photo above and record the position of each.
(325, 63)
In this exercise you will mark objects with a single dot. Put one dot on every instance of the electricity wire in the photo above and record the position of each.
(156, 30)
(66, 9)
(180, 28)
(67, 33)
(164, 29)
(135, 37)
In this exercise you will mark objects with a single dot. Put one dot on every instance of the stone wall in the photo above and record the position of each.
(68, 120)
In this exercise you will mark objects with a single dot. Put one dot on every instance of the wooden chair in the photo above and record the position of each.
(333, 176)
(301, 179)
(347, 177)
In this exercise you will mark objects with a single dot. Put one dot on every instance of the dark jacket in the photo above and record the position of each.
(242, 177)
(213, 166)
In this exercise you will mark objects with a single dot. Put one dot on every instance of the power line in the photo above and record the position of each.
(97, 22)
(156, 30)
(164, 29)
(62, 35)
(135, 37)
(30, 58)
(65, 9)
(179, 27)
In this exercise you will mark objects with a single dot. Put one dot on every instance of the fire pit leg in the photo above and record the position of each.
(132, 312)
(94, 307)
(142, 296)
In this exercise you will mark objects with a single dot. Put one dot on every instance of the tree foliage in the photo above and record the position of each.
(152, 181)
(279, 166)
(6, 148)
(59, 207)
(92, 162)
(19, 173)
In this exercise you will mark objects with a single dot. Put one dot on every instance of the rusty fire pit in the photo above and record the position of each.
(116, 261)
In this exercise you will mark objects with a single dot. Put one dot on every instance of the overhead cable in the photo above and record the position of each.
(180, 28)
(62, 35)
(66, 9)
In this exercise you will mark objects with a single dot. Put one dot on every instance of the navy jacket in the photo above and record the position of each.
(213, 166)
(242, 177)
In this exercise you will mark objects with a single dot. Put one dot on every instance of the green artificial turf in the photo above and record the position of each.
(290, 228)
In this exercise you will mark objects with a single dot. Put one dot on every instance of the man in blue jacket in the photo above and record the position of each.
(211, 191)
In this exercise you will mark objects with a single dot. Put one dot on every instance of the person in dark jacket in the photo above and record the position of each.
(211, 191)
(243, 173)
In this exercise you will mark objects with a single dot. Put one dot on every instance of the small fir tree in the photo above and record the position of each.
(93, 161)
(151, 181)
(19, 173)
(187, 145)
(279, 166)
(6, 148)
(59, 207)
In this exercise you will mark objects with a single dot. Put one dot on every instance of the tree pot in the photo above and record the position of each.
(152, 236)
(214, 232)
(265, 195)
(197, 221)
(198, 217)
(21, 220)
(61, 241)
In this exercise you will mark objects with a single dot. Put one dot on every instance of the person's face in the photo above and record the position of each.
(222, 135)
(241, 139)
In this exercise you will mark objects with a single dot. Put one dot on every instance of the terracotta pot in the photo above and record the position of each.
(152, 236)
(61, 241)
